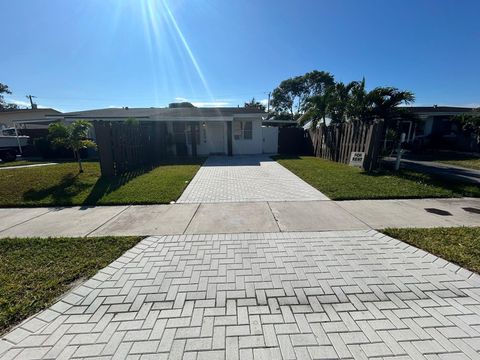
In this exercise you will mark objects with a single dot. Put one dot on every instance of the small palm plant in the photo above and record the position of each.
(73, 136)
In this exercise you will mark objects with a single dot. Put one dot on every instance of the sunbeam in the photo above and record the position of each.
(187, 48)
(171, 57)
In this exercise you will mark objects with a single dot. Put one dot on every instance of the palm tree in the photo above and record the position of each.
(358, 104)
(340, 102)
(316, 110)
(384, 102)
(73, 136)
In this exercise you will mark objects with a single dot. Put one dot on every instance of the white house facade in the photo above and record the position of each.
(216, 131)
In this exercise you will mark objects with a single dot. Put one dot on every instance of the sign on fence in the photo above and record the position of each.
(338, 143)
(357, 158)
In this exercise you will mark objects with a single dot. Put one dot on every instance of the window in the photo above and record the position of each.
(242, 130)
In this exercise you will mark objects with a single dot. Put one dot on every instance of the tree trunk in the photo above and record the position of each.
(385, 139)
(80, 167)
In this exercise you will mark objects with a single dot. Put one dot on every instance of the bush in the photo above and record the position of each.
(46, 150)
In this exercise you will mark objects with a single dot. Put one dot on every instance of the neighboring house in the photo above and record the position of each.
(437, 120)
(23, 116)
(437, 127)
(232, 131)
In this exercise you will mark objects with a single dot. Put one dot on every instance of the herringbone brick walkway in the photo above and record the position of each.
(356, 294)
(246, 178)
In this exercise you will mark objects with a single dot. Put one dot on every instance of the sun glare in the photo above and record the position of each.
(170, 53)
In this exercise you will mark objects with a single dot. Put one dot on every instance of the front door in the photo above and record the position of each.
(215, 133)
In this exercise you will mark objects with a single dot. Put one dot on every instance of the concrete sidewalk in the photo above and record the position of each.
(25, 166)
(242, 217)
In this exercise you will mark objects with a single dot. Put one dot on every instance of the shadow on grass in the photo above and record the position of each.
(62, 193)
(106, 185)
(71, 185)
(458, 187)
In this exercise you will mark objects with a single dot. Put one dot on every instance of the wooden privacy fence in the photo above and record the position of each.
(123, 147)
(337, 142)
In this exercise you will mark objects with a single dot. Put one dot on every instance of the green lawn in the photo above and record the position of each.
(460, 245)
(62, 184)
(35, 272)
(343, 182)
(472, 163)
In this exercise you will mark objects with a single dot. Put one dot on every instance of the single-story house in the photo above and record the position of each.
(227, 130)
(437, 119)
(437, 127)
(8, 118)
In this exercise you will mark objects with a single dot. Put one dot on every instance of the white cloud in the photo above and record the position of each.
(264, 102)
(24, 103)
(213, 103)
(180, 99)
(473, 105)
(210, 103)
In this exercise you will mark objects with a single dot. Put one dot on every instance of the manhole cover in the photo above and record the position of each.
(472, 210)
(438, 211)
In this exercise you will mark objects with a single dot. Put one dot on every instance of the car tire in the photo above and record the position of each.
(8, 156)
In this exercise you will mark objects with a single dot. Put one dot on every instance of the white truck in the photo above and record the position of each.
(11, 144)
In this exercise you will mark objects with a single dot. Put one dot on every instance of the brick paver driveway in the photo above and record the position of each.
(246, 178)
(276, 295)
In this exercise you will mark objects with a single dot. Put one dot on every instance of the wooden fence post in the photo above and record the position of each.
(103, 138)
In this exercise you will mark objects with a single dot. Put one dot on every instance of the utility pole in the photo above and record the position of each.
(399, 152)
(268, 102)
(32, 104)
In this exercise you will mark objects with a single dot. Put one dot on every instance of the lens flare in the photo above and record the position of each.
(171, 57)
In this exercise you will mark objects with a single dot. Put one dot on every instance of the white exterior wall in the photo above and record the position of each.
(270, 140)
(251, 146)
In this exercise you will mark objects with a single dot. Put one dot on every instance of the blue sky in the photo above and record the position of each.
(83, 54)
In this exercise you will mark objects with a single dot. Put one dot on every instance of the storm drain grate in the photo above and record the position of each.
(438, 211)
(472, 210)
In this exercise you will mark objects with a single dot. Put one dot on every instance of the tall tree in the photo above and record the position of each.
(287, 98)
(317, 83)
(255, 104)
(73, 136)
(3, 104)
(293, 95)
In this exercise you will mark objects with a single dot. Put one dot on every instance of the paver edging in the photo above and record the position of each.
(438, 261)
(68, 299)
